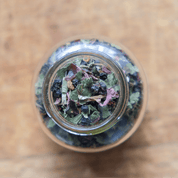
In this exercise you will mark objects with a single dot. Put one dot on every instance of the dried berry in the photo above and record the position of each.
(73, 106)
(57, 93)
(95, 89)
(103, 88)
(84, 108)
(75, 82)
(56, 85)
(95, 71)
(85, 121)
(103, 76)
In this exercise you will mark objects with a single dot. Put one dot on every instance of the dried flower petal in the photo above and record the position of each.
(70, 85)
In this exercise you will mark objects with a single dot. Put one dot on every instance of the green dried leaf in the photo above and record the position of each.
(132, 68)
(74, 95)
(88, 82)
(38, 91)
(117, 88)
(111, 80)
(134, 97)
(129, 105)
(91, 108)
(61, 72)
(105, 111)
(95, 115)
(75, 119)
(82, 102)
(79, 75)
(78, 61)
(86, 92)
(51, 123)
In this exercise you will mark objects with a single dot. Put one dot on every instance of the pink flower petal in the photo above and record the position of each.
(110, 94)
(104, 69)
(68, 98)
(58, 100)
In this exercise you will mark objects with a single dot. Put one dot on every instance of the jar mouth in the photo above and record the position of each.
(53, 113)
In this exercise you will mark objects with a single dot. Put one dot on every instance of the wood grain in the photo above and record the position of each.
(29, 28)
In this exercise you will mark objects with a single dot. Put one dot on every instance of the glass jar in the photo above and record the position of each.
(89, 94)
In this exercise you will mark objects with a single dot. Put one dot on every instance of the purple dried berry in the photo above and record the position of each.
(84, 109)
(103, 76)
(85, 121)
(95, 88)
(75, 82)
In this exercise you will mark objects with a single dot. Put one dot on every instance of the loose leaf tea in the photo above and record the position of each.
(86, 92)
(85, 80)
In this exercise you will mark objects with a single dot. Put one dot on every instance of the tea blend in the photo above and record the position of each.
(86, 92)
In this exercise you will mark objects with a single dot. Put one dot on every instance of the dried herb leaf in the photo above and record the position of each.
(129, 105)
(79, 75)
(78, 61)
(86, 92)
(75, 119)
(61, 72)
(134, 97)
(95, 115)
(132, 68)
(91, 108)
(51, 123)
(74, 95)
(105, 112)
(88, 82)
(111, 80)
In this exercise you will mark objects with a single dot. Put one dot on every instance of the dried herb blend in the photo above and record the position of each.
(86, 92)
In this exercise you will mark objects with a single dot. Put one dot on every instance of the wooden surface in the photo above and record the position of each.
(149, 28)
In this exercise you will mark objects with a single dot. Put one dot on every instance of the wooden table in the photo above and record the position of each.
(29, 28)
